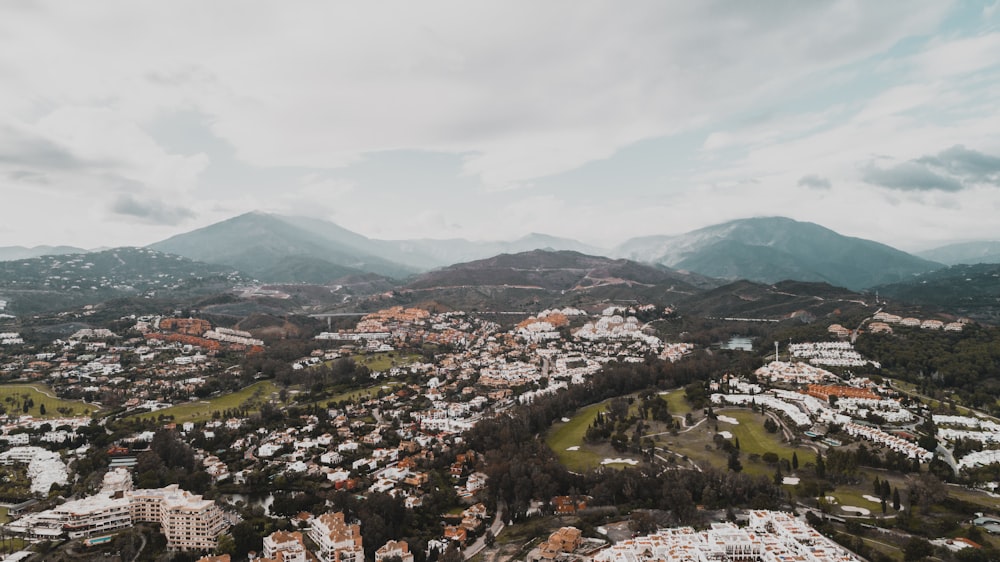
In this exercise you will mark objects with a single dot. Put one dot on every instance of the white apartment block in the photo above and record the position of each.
(188, 521)
(284, 546)
(770, 537)
(335, 540)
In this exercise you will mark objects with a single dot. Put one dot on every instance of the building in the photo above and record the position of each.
(284, 546)
(188, 521)
(336, 541)
(824, 392)
(770, 537)
(394, 548)
(566, 539)
(76, 519)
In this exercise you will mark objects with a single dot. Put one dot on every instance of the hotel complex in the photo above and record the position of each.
(188, 521)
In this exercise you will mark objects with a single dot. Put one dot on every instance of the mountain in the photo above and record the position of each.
(966, 252)
(430, 253)
(9, 253)
(773, 249)
(549, 270)
(539, 279)
(276, 248)
(64, 281)
(967, 290)
(781, 301)
(273, 248)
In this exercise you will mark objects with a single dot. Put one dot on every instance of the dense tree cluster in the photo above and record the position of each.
(967, 362)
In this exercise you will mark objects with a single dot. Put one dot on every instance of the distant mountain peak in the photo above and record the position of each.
(771, 249)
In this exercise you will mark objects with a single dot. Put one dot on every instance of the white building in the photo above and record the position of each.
(335, 540)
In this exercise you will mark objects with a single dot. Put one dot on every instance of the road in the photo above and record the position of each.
(479, 544)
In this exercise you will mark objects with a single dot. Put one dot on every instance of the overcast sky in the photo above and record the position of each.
(122, 123)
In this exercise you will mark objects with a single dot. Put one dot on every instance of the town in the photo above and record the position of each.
(231, 447)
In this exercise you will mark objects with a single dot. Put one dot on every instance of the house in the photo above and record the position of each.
(394, 548)
(566, 539)
(569, 504)
(456, 533)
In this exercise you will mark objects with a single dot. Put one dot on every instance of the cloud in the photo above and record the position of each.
(149, 210)
(953, 169)
(526, 90)
(26, 149)
(969, 165)
(815, 182)
(910, 176)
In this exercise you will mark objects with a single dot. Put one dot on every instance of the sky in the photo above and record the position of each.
(126, 122)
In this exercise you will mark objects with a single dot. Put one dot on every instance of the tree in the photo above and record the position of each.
(734, 461)
(41, 410)
(917, 549)
(877, 487)
(795, 461)
(820, 466)
(770, 426)
(895, 499)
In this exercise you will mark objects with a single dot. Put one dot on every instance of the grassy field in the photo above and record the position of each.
(563, 435)
(253, 395)
(676, 403)
(363, 393)
(752, 435)
(698, 443)
(12, 397)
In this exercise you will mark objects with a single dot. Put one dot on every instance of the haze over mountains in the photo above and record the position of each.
(776, 248)
(281, 249)
(277, 248)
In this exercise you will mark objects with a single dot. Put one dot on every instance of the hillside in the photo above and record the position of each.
(549, 270)
(58, 282)
(966, 252)
(773, 249)
(9, 253)
(278, 249)
(542, 278)
(966, 290)
(780, 301)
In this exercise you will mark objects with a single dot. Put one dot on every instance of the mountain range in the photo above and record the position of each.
(283, 249)
(10, 253)
(277, 248)
(965, 252)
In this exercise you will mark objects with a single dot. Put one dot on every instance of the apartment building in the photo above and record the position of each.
(284, 546)
(335, 540)
(188, 521)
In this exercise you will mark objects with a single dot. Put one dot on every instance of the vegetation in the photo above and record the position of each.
(39, 401)
(250, 399)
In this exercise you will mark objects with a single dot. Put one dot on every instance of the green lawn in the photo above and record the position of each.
(12, 397)
(698, 443)
(253, 396)
(364, 393)
(676, 402)
(563, 435)
(852, 496)
(752, 435)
